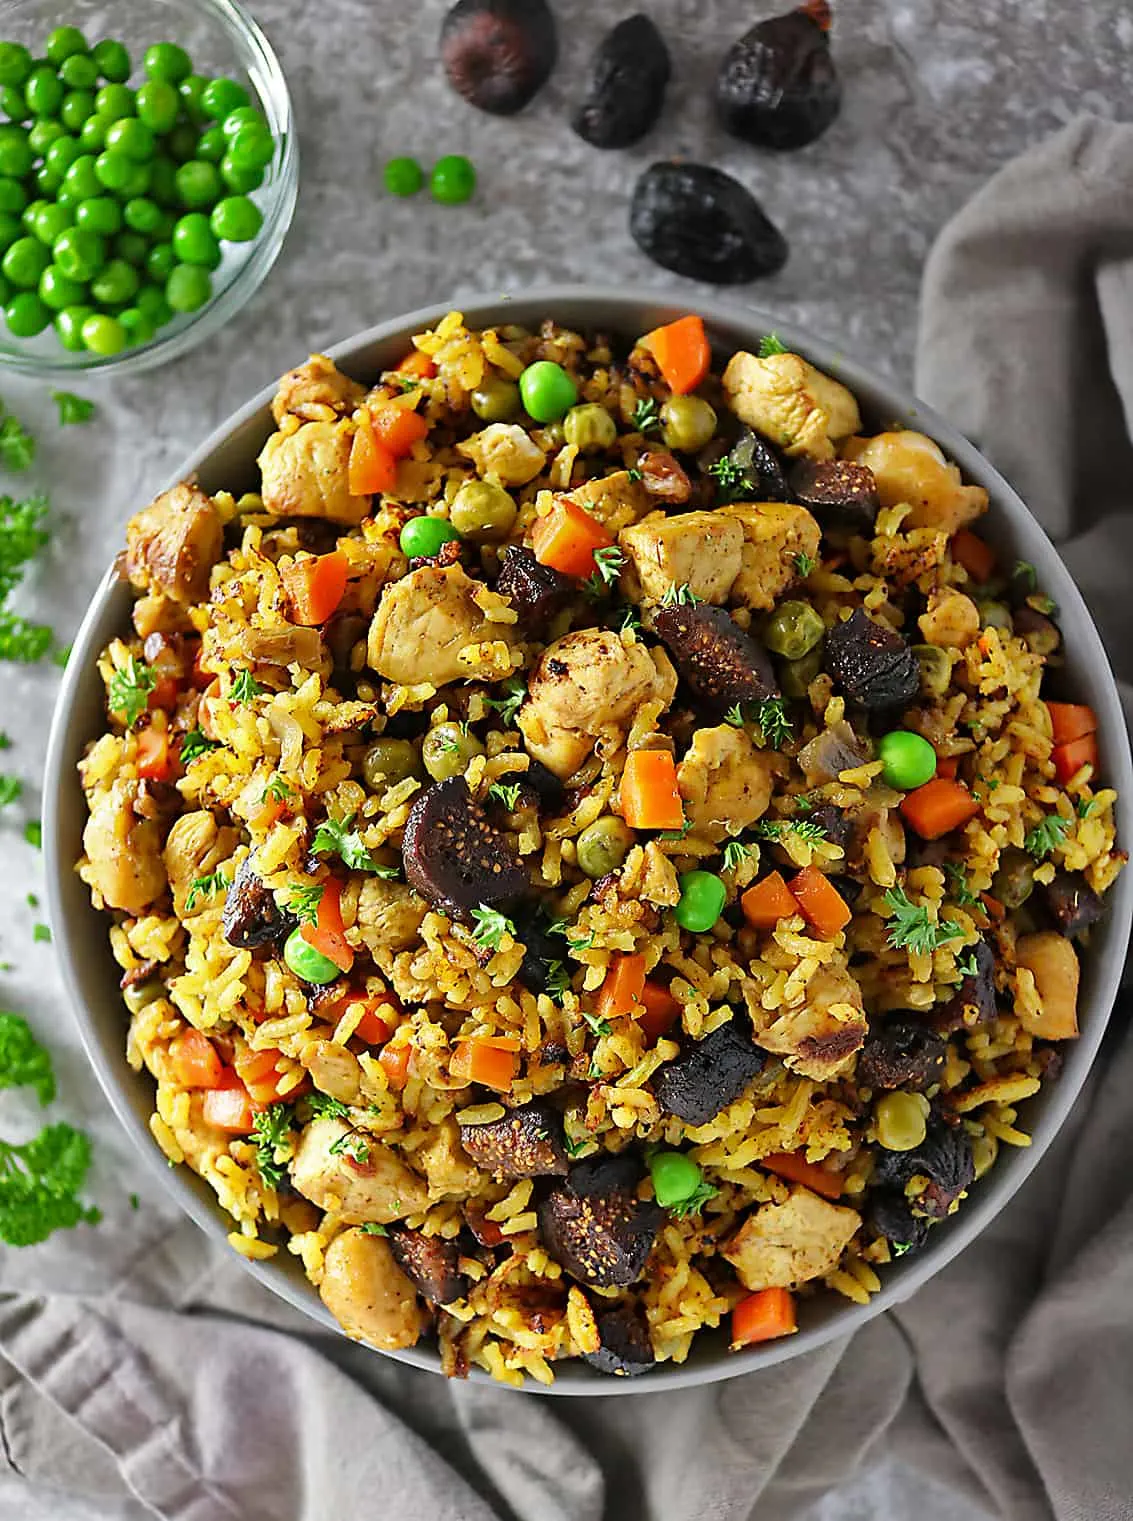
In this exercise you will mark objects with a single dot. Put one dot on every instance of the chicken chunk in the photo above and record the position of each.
(287, 645)
(195, 848)
(791, 403)
(389, 915)
(703, 550)
(123, 851)
(1053, 963)
(909, 467)
(334, 1070)
(306, 474)
(614, 500)
(424, 621)
(818, 1038)
(951, 620)
(586, 689)
(446, 1164)
(504, 452)
(775, 535)
(381, 1188)
(173, 544)
(784, 1244)
(312, 387)
(368, 1294)
(725, 782)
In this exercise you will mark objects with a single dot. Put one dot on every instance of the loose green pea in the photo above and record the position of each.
(194, 241)
(236, 219)
(308, 964)
(547, 390)
(15, 63)
(11, 229)
(702, 901)
(26, 315)
(124, 176)
(79, 254)
(63, 43)
(50, 221)
(139, 328)
(69, 327)
(688, 423)
(907, 760)
(29, 214)
(131, 137)
(422, 537)
(603, 846)
(240, 177)
(13, 196)
(115, 101)
(115, 284)
(163, 182)
(44, 92)
(104, 335)
(251, 148)
(676, 1177)
(77, 107)
(497, 400)
(482, 510)
(161, 262)
(182, 142)
(402, 176)
(188, 288)
(92, 134)
(81, 182)
(453, 181)
(158, 104)
(151, 300)
(16, 156)
(79, 72)
(1014, 880)
(389, 761)
(190, 91)
(590, 428)
(41, 134)
(141, 215)
(101, 214)
(211, 146)
(198, 184)
(6, 291)
(57, 291)
(48, 183)
(795, 676)
(62, 154)
(165, 60)
(222, 96)
(446, 751)
(793, 629)
(24, 261)
(113, 60)
(132, 247)
(13, 104)
(142, 994)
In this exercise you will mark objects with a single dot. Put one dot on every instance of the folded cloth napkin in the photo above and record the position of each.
(150, 1377)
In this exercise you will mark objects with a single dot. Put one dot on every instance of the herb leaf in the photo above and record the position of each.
(373, 1228)
(646, 417)
(491, 926)
(24, 1063)
(129, 691)
(507, 707)
(277, 790)
(597, 1025)
(735, 716)
(680, 596)
(911, 928)
(196, 744)
(351, 1144)
(774, 725)
(244, 688)
(11, 789)
(1085, 806)
(206, 887)
(17, 446)
(506, 793)
(770, 345)
(335, 837)
(735, 854)
(72, 408)
(557, 979)
(39, 1182)
(304, 903)
(804, 564)
(962, 894)
(695, 1201)
(327, 1107)
(271, 1129)
(1046, 835)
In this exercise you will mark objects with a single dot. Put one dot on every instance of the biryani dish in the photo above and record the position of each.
(595, 843)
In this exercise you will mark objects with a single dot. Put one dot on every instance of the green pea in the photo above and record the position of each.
(113, 60)
(389, 761)
(190, 90)
(901, 1121)
(41, 134)
(702, 901)
(92, 133)
(793, 629)
(308, 964)
(161, 262)
(240, 177)
(151, 302)
(80, 181)
(194, 241)
(101, 214)
(907, 759)
(57, 291)
(77, 107)
(15, 63)
(590, 428)
(211, 146)
(220, 97)
(163, 181)
(44, 91)
(124, 176)
(188, 288)
(62, 154)
(402, 176)
(6, 291)
(482, 510)
(131, 248)
(1014, 880)
(29, 214)
(63, 42)
(24, 261)
(453, 181)
(497, 400)
(676, 1177)
(251, 148)
(48, 183)
(79, 254)
(115, 284)
(104, 335)
(26, 315)
(115, 101)
(11, 229)
(139, 328)
(935, 669)
(13, 104)
(236, 219)
(158, 105)
(422, 537)
(50, 221)
(996, 615)
(165, 60)
(13, 196)
(547, 390)
(182, 142)
(447, 751)
(140, 215)
(131, 137)
(198, 184)
(688, 423)
(795, 676)
(69, 327)
(79, 72)
(142, 994)
(16, 156)
(603, 846)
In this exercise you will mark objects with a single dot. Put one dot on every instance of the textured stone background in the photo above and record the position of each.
(938, 94)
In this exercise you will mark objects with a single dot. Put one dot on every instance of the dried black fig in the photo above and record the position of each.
(700, 222)
(454, 856)
(777, 86)
(751, 471)
(721, 662)
(871, 663)
(498, 54)
(839, 493)
(627, 86)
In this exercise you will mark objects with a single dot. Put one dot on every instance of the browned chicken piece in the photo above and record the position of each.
(425, 620)
(310, 388)
(195, 848)
(504, 452)
(1053, 963)
(725, 782)
(369, 1183)
(951, 620)
(123, 850)
(289, 644)
(446, 1164)
(334, 1070)
(817, 1038)
(305, 474)
(791, 403)
(368, 1294)
(909, 467)
(780, 1245)
(614, 500)
(700, 550)
(775, 535)
(389, 915)
(173, 544)
(585, 689)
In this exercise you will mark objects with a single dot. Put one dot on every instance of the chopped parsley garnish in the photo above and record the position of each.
(33, 833)
(646, 416)
(21, 535)
(804, 564)
(244, 688)
(557, 979)
(506, 793)
(804, 804)
(195, 744)
(17, 446)
(24, 1063)
(735, 716)
(5, 740)
(680, 596)
(899, 1248)
(491, 927)
(135, 1202)
(695, 1201)
(911, 928)
(1046, 835)
(774, 725)
(373, 1228)
(1024, 572)
(573, 1148)
(304, 903)
(806, 829)
(736, 854)
(676, 834)
(581, 942)
(730, 476)
(770, 345)
(403, 382)
(271, 1130)
(632, 620)
(962, 894)
(507, 707)
(277, 790)
(351, 1144)
(597, 1025)
(10, 790)
(335, 837)
(609, 562)
(1085, 806)
(206, 887)
(39, 1184)
(129, 691)
(41, 934)
(968, 966)
(326, 1107)
(72, 408)
(634, 474)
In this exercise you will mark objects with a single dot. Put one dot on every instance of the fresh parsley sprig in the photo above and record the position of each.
(735, 854)
(39, 1184)
(129, 689)
(304, 903)
(206, 887)
(337, 837)
(770, 345)
(244, 688)
(695, 1201)
(17, 446)
(680, 596)
(506, 793)
(509, 705)
(773, 723)
(72, 408)
(646, 416)
(271, 1130)
(24, 1063)
(912, 929)
(195, 744)
(491, 927)
(1047, 834)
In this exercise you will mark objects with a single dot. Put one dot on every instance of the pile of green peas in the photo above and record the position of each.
(114, 201)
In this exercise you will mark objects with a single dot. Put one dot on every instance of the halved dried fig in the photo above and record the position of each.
(498, 54)
(721, 662)
(454, 856)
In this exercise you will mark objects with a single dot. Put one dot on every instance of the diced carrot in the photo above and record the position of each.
(649, 794)
(478, 1061)
(1070, 758)
(974, 554)
(938, 807)
(259, 1072)
(821, 904)
(682, 353)
(947, 765)
(229, 1105)
(398, 428)
(315, 587)
(372, 468)
(164, 694)
(657, 1012)
(567, 537)
(1070, 721)
(418, 363)
(621, 992)
(768, 901)
(327, 935)
(394, 1061)
(156, 761)
(763, 1316)
(793, 1166)
(195, 1061)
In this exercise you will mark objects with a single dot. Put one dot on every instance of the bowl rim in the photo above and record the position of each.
(744, 324)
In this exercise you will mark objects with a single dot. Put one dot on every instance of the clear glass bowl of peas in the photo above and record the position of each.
(148, 174)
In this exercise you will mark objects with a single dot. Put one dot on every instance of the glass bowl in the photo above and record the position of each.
(222, 39)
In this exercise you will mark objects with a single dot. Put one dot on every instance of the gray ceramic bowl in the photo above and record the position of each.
(227, 460)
